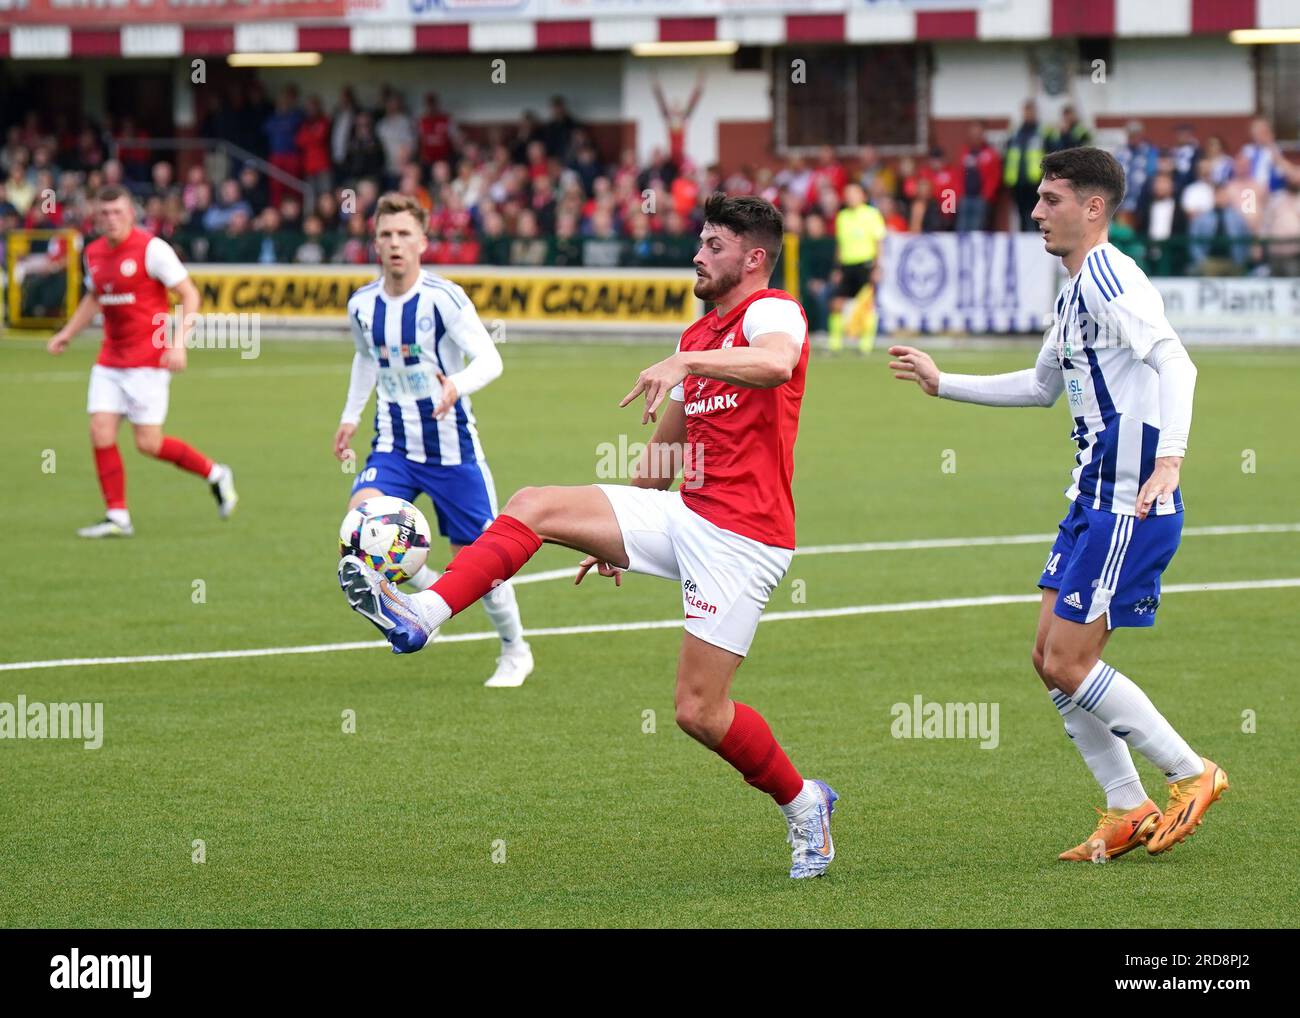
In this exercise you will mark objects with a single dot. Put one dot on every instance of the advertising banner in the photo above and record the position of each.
(1233, 311)
(972, 283)
(555, 298)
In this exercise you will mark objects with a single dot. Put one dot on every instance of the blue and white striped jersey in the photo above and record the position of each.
(402, 344)
(1107, 320)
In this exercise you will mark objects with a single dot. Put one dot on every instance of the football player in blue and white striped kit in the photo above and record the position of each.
(1129, 384)
(420, 340)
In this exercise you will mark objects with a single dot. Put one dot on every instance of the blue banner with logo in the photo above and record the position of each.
(967, 282)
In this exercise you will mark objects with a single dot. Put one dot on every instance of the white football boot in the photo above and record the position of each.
(810, 835)
(513, 666)
(223, 490)
(393, 613)
(106, 528)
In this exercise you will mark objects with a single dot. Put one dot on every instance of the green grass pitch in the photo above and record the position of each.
(592, 820)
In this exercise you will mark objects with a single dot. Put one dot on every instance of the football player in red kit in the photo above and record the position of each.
(128, 274)
(729, 397)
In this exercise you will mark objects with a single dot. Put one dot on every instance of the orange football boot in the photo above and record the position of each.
(1188, 801)
(1118, 831)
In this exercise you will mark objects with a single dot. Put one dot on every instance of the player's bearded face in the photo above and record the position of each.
(719, 264)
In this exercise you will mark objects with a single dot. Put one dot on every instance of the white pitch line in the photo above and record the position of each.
(630, 627)
(549, 574)
(244, 370)
(956, 542)
(976, 542)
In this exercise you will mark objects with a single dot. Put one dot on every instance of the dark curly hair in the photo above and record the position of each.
(756, 220)
(1088, 171)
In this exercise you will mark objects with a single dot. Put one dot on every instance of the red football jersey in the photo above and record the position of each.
(130, 282)
(740, 465)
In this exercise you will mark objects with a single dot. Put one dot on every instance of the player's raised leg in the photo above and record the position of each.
(1072, 663)
(112, 477)
(150, 440)
(740, 735)
(575, 517)
(1130, 816)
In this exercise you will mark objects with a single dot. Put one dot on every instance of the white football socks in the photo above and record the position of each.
(119, 516)
(215, 473)
(424, 578)
(503, 609)
(807, 799)
(1106, 754)
(433, 610)
(501, 605)
(1125, 710)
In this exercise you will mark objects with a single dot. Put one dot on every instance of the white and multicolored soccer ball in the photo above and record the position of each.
(389, 534)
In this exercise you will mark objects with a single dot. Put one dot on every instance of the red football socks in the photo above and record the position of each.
(751, 748)
(495, 556)
(173, 450)
(112, 478)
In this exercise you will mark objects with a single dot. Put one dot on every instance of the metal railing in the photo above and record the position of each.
(229, 149)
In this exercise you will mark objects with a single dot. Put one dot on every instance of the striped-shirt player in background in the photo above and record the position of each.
(728, 401)
(420, 340)
(128, 274)
(1129, 383)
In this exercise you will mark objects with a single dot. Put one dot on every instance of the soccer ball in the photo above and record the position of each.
(389, 534)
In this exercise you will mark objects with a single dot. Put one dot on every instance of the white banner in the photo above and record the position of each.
(967, 283)
(1234, 310)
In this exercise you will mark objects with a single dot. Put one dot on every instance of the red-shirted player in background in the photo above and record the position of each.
(736, 383)
(128, 274)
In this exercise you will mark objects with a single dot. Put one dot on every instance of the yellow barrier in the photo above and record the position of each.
(549, 297)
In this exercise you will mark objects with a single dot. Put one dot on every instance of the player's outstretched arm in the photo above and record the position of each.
(1040, 385)
(767, 362)
(81, 317)
(913, 365)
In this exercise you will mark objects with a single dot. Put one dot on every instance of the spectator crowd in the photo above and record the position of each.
(300, 184)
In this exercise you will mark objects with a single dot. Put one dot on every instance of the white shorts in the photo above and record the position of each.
(139, 394)
(726, 578)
